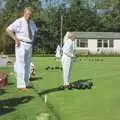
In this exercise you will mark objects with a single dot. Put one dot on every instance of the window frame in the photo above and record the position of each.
(103, 42)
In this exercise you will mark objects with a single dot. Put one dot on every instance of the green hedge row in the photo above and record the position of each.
(89, 55)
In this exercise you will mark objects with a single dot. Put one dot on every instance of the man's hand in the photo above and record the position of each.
(74, 57)
(17, 42)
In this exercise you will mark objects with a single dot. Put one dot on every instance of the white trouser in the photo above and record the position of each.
(66, 64)
(22, 65)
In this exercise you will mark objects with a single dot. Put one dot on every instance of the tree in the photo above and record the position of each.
(110, 21)
(79, 18)
(11, 11)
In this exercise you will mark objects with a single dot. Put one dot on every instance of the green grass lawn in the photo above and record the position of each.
(102, 102)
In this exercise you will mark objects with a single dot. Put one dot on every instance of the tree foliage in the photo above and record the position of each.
(78, 15)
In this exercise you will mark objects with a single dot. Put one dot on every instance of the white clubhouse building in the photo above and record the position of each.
(97, 42)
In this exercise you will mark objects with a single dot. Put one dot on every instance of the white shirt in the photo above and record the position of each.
(20, 27)
(68, 48)
(58, 51)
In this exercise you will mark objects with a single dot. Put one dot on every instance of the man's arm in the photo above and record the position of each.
(12, 35)
(66, 49)
(12, 29)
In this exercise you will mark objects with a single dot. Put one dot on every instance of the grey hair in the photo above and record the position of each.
(66, 36)
(28, 9)
(71, 34)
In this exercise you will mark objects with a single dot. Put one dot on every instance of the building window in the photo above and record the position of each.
(78, 43)
(111, 43)
(84, 43)
(105, 43)
(99, 44)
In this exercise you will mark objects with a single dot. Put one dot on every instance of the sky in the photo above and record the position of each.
(2, 3)
(47, 3)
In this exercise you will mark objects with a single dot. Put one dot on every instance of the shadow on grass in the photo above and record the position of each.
(7, 106)
(35, 78)
(11, 83)
(84, 80)
(2, 91)
(47, 91)
(60, 88)
(88, 79)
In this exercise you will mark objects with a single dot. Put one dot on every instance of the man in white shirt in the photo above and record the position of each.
(68, 54)
(58, 52)
(23, 30)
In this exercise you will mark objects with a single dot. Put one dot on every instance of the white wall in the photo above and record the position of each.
(92, 45)
(117, 46)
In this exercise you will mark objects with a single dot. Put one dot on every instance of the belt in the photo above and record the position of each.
(27, 42)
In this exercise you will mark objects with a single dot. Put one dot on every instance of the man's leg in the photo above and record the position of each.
(70, 68)
(27, 64)
(20, 66)
(66, 70)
